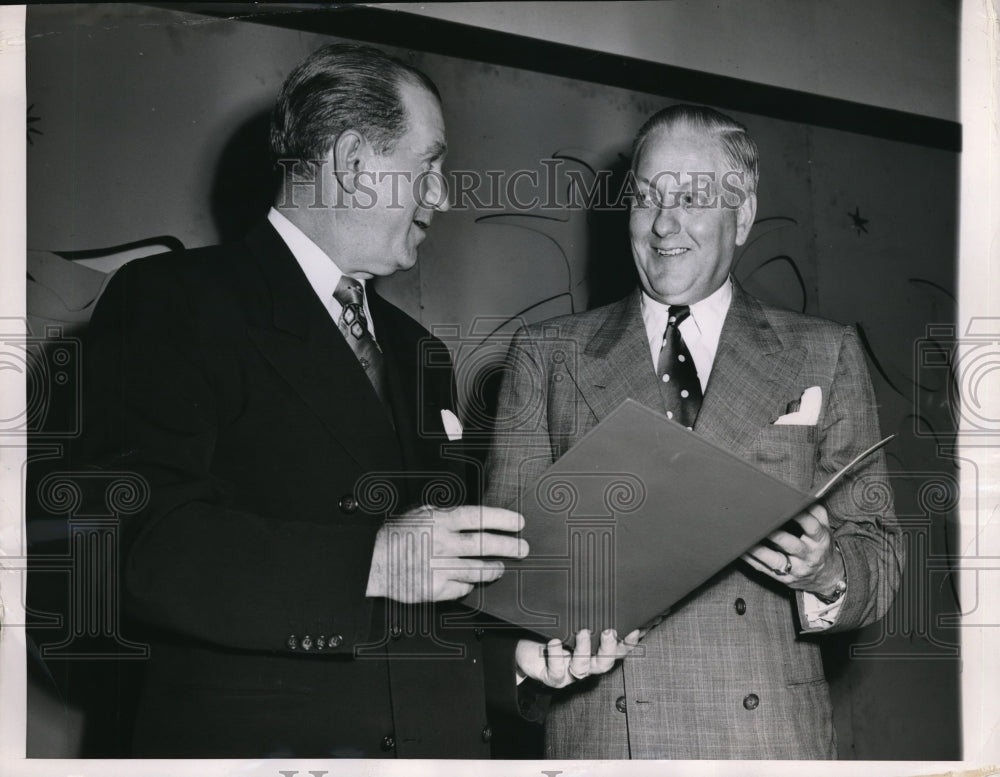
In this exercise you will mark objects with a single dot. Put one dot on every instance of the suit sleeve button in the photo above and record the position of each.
(740, 605)
(320, 642)
(292, 642)
(751, 701)
(307, 642)
(335, 640)
(620, 704)
(388, 743)
(487, 733)
(348, 504)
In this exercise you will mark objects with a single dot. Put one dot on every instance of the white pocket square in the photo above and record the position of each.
(808, 412)
(452, 426)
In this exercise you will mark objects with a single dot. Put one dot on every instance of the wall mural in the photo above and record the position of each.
(137, 145)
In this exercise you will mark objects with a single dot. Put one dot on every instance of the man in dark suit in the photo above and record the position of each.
(297, 437)
(734, 670)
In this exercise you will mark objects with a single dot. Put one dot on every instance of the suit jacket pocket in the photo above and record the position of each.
(788, 452)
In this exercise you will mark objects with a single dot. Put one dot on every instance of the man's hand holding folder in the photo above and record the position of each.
(638, 514)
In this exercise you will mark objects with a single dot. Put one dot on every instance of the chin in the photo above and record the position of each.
(406, 263)
(675, 295)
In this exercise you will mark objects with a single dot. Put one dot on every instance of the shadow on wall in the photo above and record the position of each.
(611, 272)
(245, 179)
(81, 698)
(609, 275)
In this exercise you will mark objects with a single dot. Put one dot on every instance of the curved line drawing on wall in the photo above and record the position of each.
(516, 316)
(916, 381)
(762, 228)
(554, 228)
(800, 281)
(876, 362)
(31, 120)
(933, 285)
(512, 221)
(570, 154)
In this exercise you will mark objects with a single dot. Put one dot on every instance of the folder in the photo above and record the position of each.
(635, 516)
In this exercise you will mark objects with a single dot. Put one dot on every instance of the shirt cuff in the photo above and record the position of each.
(816, 614)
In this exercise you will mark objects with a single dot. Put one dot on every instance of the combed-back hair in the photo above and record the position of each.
(339, 87)
(739, 148)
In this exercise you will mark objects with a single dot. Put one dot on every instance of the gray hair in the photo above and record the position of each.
(340, 87)
(734, 139)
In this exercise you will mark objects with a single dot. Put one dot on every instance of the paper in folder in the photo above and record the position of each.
(635, 516)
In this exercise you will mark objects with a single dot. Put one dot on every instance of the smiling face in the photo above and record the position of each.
(692, 211)
(399, 190)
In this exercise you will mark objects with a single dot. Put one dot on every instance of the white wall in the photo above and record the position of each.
(879, 52)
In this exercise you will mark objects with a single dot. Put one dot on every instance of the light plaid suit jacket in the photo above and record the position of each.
(728, 674)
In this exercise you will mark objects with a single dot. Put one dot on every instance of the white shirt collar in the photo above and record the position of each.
(320, 270)
(701, 330)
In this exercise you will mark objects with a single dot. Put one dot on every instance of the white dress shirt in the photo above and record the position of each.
(321, 271)
(701, 331)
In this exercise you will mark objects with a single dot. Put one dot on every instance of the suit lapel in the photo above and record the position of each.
(402, 375)
(749, 366)
(305, 347)
(616, 364)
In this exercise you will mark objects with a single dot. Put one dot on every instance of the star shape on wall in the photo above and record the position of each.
(32, 130)
(859, 222)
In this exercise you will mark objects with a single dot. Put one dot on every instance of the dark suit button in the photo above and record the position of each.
(307, 642)
(396, 632)
(292, 642)
(487, 733)
(741, 606)
(348, 504)
(320, 642)
(479, 632)
(335, 640)
(620, 704)
(388, 743)
(750, 701)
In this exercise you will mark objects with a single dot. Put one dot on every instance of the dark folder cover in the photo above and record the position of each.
(634, 517)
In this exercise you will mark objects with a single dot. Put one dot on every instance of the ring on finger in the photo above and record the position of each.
(787, 568)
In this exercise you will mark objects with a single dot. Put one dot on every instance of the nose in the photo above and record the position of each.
(665, 221)
(434, 192)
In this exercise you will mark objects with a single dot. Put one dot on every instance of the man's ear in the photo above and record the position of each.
(745, 215)
(346, 155)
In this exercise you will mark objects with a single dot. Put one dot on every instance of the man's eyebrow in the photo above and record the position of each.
(437, 150)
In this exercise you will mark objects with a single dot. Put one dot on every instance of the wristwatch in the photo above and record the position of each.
(838, 592)
(840, 588)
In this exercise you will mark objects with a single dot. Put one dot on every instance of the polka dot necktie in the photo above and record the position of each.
(354, 326)
(679, 385)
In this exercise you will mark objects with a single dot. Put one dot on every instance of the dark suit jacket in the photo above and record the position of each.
(726, 674)
(218, 376)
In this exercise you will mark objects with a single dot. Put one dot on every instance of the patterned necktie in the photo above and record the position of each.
(679, 385)
(354, 326)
